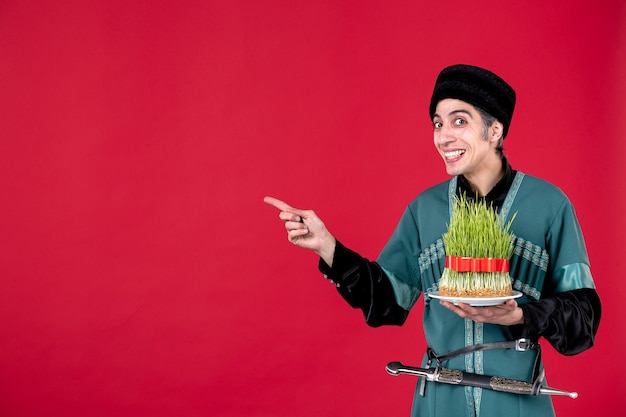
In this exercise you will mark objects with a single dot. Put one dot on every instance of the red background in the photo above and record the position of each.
(143, 276)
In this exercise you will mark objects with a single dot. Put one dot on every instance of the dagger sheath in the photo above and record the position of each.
(449, 376)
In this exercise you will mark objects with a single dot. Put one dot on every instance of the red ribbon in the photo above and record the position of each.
(466, 264)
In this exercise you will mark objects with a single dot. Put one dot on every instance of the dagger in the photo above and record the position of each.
(449, 376)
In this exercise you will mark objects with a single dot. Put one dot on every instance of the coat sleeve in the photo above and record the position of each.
(568, 320)
(364, 285)
(568, 315)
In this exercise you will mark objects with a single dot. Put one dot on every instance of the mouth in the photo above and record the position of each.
(452, 155)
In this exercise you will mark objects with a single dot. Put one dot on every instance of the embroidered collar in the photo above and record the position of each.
(497, 194)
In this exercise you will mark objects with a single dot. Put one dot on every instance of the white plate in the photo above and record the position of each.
(476, 302)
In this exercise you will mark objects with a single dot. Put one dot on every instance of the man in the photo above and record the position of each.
(471, 110)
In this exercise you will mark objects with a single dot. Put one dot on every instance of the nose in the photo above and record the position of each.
(443, 136)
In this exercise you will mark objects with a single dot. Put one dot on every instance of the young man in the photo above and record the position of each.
(471, 110)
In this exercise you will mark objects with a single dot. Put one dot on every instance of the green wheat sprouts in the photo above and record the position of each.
(476, 231)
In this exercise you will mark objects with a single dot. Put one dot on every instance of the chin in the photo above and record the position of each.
(453, 172)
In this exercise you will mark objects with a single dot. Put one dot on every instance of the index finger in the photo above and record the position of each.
(279, 204)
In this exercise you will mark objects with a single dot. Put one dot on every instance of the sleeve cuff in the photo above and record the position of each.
(345, 262)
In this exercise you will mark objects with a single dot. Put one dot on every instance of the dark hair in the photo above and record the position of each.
(488, 121)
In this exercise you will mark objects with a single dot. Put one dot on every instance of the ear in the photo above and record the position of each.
(496, 131)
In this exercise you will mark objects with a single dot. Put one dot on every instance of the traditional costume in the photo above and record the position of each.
(549, 266)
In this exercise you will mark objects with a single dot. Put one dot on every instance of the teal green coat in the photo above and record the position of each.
(549, 256)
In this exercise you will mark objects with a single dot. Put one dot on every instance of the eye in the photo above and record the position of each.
(459, 121)
(437, 125)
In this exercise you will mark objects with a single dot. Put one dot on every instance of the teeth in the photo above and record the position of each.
(454, 154)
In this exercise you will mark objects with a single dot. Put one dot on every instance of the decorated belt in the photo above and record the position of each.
(483, 381)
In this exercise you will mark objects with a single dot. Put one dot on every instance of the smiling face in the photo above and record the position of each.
(467, 147)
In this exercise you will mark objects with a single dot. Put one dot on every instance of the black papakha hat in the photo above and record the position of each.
(478, 87)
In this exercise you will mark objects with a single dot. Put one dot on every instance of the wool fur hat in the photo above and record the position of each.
(478, 87)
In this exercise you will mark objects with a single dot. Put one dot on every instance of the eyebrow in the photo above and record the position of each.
(453, 112)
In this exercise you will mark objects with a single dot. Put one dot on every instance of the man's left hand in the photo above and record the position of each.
(506, 314)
